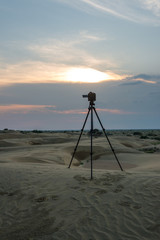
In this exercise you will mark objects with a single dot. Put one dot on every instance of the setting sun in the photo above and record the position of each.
(86, 75)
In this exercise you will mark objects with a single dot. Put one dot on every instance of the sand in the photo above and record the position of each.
(42, 199)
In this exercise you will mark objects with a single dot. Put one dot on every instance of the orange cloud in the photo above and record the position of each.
(24, 109)
(74, 111)
(18, 108)
(39, 72)
(59, 59)
(113, 111)
(81, 111)
(146, 81)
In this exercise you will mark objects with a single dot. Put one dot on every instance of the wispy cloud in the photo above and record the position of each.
(64, 52)
(24, 109)
(114, 111)
(71, 111)
(54, 72)
(55, 59)
(139, 11)
(71, 50)
(83, 111)
(153, 6)
(41, 72)
(141, 78)
(31, 72)
(87, 36)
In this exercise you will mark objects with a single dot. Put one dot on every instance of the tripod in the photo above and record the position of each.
(91, 109)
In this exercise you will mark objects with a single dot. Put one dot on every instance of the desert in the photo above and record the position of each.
(42, 199)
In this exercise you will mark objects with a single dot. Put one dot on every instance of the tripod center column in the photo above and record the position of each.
(91, 150)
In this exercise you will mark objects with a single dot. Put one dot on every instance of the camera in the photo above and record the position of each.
(91, 97)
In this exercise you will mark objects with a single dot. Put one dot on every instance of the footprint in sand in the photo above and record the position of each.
(125, 204)
(76, 187)
(8, 193)
(41, 199)
(101, 191)
(55, 197)
(81, 179)
(129, 204)
(138, 206)
(46, 198)
(154, 228)
(119, 188)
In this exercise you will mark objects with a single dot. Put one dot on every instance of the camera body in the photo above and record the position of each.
(91, 97)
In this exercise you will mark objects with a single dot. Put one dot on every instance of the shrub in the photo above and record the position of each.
(144, 137)
(137, 133)
(95, 133)
(37, 131)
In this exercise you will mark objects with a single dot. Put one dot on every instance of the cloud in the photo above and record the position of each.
(153, 6)
(57, 58)
(69, 51)
(139, 11)
(86, 36)
(141, 78)
(71, 111)
(83, 111)
(51, 60)
(148, 77)
(24, 109)
(114, 111)
(30, 72)
(41, 72)
(63, 52)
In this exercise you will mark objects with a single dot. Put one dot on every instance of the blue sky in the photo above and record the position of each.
(53, 51)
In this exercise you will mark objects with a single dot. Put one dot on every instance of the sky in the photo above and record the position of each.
(54, 51)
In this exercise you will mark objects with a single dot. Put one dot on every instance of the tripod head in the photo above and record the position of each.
(91, 97)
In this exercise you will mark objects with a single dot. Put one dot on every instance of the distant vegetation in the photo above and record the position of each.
(138, 133)
(95, 133)
(142, 134)
(37, 131)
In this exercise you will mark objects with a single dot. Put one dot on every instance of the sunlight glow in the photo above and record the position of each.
(86, 75)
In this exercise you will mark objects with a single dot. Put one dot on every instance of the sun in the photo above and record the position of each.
(86, 75)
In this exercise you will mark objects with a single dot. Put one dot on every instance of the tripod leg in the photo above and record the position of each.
(79, 137)
(108, 140)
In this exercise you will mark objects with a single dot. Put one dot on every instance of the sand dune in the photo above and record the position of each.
(41, 199)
